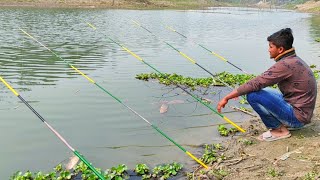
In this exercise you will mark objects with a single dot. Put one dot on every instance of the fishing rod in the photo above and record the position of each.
(188, 58)
(75, 152)
(183, 54)
(184, 89)
(205, 48)
(118, 100)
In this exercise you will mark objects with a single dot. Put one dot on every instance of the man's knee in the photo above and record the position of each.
(257, 95)
(251, 97)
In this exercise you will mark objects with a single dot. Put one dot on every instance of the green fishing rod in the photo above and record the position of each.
(53, 130)
(183, 54)
(205, 48)
(184, 89)
(118, 100)
(187, 57)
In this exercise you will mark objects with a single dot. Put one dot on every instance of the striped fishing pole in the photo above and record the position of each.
(205, 48)
(187, 57)
(75, 152)
(184, 89)
(118, 100)
(183, 54)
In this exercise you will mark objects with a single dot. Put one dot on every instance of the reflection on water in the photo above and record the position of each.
(26, 63)
(91, 120)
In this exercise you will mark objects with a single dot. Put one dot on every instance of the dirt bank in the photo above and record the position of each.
(297, 157)
(112, 4)
(309, 6)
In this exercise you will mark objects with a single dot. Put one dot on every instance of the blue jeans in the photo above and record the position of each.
(273, 109)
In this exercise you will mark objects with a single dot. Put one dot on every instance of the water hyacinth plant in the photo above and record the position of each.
(232, 80)
(172, 79)
(115, 173)
(211, 153)
(315, 71)
(225, 131)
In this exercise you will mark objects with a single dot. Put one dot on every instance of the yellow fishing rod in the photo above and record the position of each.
(183, 54)
(187, 57)
(53, 130)
(211, 52)
(195, 97)
(117, 99)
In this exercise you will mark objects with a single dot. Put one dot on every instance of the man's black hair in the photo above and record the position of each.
(282, 38)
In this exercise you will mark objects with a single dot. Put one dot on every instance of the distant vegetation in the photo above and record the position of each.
(148, 4)
(158, 4)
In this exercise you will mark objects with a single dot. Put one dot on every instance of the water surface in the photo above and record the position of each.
(94, 123)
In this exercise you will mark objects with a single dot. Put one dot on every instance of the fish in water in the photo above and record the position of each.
(72, 162)
(164, 108)
(165, 105)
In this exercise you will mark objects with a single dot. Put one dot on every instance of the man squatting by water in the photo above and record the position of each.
(292, 106)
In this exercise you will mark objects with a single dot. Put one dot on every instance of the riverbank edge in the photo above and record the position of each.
(120, 4)
(307, 7)
(270, 160)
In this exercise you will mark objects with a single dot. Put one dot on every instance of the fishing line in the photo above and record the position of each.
(118, 100)
(184, 89)
(183, 54)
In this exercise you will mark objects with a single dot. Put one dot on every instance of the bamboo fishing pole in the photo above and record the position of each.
(210, 51)
(75, 152)
(184, 89)
(118, 100)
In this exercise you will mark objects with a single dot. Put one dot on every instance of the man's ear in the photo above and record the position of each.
(281, 50)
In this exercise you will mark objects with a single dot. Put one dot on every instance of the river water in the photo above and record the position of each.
(99, 127)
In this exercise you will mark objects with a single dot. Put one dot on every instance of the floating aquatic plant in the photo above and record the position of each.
(314, 70)
(211, 153)
(232, 80)
(115, 173)
(173, 79)
(225, 131)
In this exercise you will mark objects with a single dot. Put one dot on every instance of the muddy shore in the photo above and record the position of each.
(297, 157)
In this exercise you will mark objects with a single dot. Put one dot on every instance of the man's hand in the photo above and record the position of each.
(221, 104)
(225, 100)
